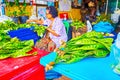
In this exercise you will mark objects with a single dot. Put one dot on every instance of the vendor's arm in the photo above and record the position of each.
(53, 32)
(36, 21)
(57, 27)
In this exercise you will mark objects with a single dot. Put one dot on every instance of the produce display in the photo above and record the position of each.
(78, 28)
(10, 25)
(90, 44)
(104, 18)
(40, 29)
(14, 47)
(77, 24)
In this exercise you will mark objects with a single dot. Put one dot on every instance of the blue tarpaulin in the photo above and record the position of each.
(87, 69)
(103, 27)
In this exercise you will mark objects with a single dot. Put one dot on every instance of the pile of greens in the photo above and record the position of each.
(77, 24)
(39, 29)
(104, 18)
(91, 44)
(14, 47)
(10, 25)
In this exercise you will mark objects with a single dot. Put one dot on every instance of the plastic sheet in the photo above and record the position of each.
(115, 49)
(52, 74)
(34, 73)
(4, 18)
(87, 69)
(24, 34)
(14, 68)
(103, 27)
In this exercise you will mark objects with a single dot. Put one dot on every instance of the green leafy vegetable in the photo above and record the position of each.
(91, 44)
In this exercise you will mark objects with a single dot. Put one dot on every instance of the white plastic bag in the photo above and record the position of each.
(64, 5)
(33, 17)
(5, 18)
(115, 17)
(89, 26)
(116, 52)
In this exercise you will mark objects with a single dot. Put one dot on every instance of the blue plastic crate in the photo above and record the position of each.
(24, 34)
(20, 32)
(28, 35)
(34, 36)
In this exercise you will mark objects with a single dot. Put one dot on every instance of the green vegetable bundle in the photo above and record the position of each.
(40, 29)
(15, 48)
(104, 18)
(91, 44)
(10, 25)
(77, 24)
(3, 36)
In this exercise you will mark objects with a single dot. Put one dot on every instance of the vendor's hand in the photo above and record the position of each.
(29, 20)
(61, 53)
(49, 66)
(48, 28)
(52, 31)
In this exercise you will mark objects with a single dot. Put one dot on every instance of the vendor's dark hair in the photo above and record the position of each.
(53, 11)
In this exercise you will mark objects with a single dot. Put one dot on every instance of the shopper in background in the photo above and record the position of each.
(55, 32)
(89, 8)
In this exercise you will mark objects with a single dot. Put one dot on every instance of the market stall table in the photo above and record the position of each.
(25, 68)
(87, 69)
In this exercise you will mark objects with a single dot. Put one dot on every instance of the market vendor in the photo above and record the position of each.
(55, 32)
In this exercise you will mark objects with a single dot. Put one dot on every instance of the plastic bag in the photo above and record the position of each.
(89, 26)
(116, 52)
(33, 17)
(64, 5)
(5, 18)
(115, 17)
(103, 27)
(52, 74)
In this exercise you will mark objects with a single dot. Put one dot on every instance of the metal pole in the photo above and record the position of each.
(106, 7)
(116, 5)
